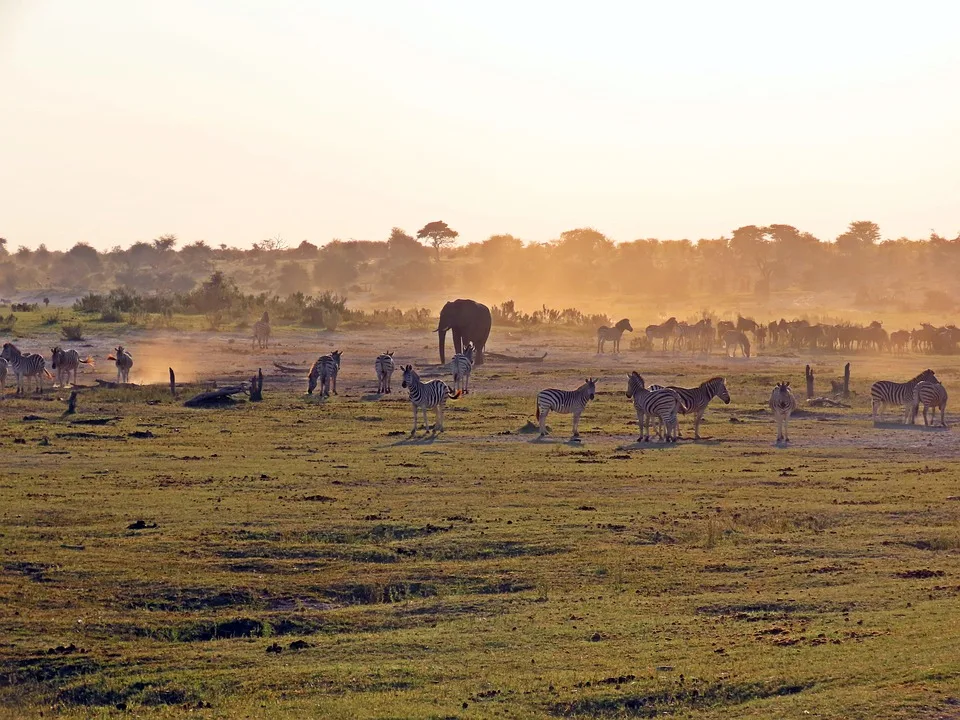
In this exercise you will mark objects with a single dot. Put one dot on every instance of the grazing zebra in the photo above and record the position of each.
(324, 370)
(782, 403)
(887, 392)
(695, 400)
(25, 365)
(63, 361)
(732, 339)
(3, 376)
(565, 401)
(662, 403)
(124, 361)
(425, 395)
(932, 395)
(261, 331)
(613, 334)
(462, 365)
(663, 331)
(384, 366)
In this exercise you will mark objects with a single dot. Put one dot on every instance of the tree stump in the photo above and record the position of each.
(72, 403)
(809, 375)
(256, 386)
(846, 380)
(173, 383)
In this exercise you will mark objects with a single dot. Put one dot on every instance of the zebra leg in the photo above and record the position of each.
(438, 425)
(334, 383)
(576, 425)
(640, 423)
(696, 425)
(543, 422)
(415, 411)
(786, 432)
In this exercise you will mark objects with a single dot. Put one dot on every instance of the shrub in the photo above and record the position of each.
(7, 323)
(52, 319)
(111, 315)
(72, 332)
(24, 307)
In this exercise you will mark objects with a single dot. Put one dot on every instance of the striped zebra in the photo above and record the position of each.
(124, 361)
(663, 331)
(887, 392)
(612, 334)
(695, 400)
(261, 331)
(324, 371)
(782, 403)
(3, 376)
(565, 401)
(932, 395)
(425, 395)
(732, 339)
(462, 366)
(25, 365)
(63, 361)
(384, 366)
(660, 403)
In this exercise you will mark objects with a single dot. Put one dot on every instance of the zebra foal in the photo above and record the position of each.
(660, 403)
(932, 395)
(782, 402)
(384, 367)
(462, 366)
(887, 392)
(565, 401)
(324, 371)
(426, 395)
(25, 365)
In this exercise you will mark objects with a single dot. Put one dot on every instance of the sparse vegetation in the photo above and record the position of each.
(71, 332)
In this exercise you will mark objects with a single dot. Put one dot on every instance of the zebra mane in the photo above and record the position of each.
(713, 380)
(925, 375)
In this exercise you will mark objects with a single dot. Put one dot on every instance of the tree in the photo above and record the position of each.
(859, 234)
(271, 244)
(165, 242)
(3, 246)
(438, 234)
(294, 277)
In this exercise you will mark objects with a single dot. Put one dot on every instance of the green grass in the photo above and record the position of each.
(482, 574)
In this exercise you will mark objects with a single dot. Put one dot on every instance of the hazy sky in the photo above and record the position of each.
(231, 120)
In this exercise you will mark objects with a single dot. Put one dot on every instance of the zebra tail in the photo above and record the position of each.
(454, 395)
(538, 412)
(111, 357)
(88, 361)
(46, 374)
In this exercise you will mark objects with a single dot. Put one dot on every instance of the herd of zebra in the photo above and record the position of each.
(25, 366)
(791, 334)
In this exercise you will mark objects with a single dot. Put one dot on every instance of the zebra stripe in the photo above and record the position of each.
(25, 365)
(695, 400)
(384, 367)
(63, 361)
(782, 402)
(424, 395)
(462, 365)
(887, 392)
(3, 376)
(565, 401)
(124, 361)
(660, 403)
(325, 370)
(261, 331)
(932, 395)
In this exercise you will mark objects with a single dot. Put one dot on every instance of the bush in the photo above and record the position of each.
(7, 323)
(52, 319)
(24, 307)
(72, 332)
(111, 315)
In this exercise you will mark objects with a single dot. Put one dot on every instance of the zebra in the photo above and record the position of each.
(324, 370)
(424, 395)
(887, 392)
(63, 361)
(3, 376)
(25, 365)
(384, 366)
(662, 403)
(613, 334)
(932, 395)
(565, 401)
(695, 400)
(261, 331)
(664, 331)
(462, 365)
(733, 339)
(124, 361)
(782, 403)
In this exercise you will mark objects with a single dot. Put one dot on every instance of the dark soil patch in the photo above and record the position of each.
(45, 668)
(922, 574)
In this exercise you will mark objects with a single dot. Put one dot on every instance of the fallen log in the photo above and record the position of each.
(511, 358)
(825, 402)
(113, 385)
(220, 396)
(290, 369)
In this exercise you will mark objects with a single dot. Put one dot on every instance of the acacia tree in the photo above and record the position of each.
(3, 246)
(438, 234)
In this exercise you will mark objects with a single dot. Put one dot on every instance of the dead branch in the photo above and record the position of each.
(290, 369)
(221, 396)
(825, 402)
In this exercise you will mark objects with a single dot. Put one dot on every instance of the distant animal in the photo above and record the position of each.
(723, 327)
(661, 403)
(25, 365)
(462, 366)
(899, 340)
(565, 401)
(761, 335)
(261, 331)
(470, 322)
(124, 361)
(887, 392)
(384, 366)
(324, 371)
(426, 395)
(782, 403)
(612, 334)
(932, 395)
(695, 400)
(63, 361)
(664, 331)
(745, 324)
(732, 339)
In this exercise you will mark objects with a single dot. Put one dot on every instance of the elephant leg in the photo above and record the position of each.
(457, 340)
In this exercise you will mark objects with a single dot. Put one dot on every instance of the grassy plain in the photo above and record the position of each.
(481, 574)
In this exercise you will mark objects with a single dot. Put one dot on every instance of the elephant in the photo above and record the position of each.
(470, 322)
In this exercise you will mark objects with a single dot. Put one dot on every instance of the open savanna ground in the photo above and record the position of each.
(302, 557)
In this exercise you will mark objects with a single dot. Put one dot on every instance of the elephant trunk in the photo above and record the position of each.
(442, 331)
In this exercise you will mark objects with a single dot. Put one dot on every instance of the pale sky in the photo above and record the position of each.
(235, 120)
